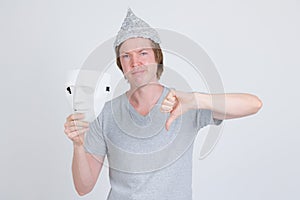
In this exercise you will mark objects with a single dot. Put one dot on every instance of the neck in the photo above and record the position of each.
(145, 97)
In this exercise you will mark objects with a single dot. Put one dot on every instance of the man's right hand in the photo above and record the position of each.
(75, 128)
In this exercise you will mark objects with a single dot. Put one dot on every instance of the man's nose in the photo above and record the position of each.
(135, 60)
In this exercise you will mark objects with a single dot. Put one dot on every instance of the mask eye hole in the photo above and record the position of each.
(69, 90)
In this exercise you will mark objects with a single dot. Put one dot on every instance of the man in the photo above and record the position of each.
(139, 130)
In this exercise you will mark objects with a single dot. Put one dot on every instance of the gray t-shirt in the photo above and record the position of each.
(146, 161)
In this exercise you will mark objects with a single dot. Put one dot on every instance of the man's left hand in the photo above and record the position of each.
(177, 103)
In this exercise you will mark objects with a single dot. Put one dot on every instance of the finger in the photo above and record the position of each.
(72, 126)
(165, 108)
(73, 129)
(169, 121)
(77, 133)
(169, 103)
(171, 94)
(79, 124)
(171, 99)
(75, 116)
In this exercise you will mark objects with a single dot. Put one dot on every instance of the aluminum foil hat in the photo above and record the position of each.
(133, 27)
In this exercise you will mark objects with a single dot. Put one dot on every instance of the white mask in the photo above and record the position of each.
(87, 91)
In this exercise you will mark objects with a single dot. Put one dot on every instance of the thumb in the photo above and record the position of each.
(169, 121)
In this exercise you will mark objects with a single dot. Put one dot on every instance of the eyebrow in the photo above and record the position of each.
(143, 49)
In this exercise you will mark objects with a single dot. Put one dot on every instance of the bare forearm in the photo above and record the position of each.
(230, 105)
(81, 170)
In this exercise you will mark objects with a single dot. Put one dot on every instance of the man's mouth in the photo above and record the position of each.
(137, 72)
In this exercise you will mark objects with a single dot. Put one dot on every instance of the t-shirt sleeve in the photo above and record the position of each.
(94, 142)
(205, 117)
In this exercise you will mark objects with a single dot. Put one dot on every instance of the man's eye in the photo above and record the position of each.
(144, 53)
(124, 56)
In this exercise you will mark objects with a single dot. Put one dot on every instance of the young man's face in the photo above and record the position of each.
(138, 61)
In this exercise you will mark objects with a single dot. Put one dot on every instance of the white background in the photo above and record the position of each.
(254, 45)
